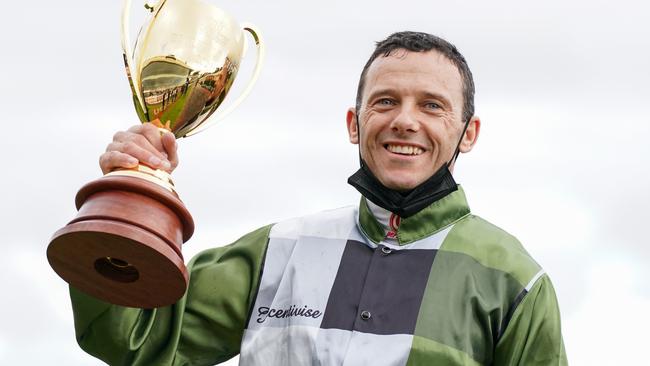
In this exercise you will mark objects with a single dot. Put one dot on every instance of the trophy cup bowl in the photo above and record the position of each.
(124, 245)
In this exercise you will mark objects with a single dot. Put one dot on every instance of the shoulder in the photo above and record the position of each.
(333, 224)
(251, 245)
(330, 224)
(492, 247)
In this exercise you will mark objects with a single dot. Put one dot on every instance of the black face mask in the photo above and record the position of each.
(405, 204)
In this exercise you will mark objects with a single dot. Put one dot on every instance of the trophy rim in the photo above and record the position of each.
(74, 250)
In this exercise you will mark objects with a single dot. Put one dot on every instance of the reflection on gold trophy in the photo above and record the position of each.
(124, 245)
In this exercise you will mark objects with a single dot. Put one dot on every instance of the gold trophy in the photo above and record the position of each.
(124, 245)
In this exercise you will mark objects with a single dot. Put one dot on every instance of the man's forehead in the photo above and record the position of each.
(401, 60)
(433, 66)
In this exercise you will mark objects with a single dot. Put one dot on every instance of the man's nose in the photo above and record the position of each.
(406, 120)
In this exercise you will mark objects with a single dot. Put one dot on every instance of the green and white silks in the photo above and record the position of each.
(330, 289)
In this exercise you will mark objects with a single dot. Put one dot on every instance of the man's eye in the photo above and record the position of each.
(432, 105)
(385, 101)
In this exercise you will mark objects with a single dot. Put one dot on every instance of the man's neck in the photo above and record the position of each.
(382, 225)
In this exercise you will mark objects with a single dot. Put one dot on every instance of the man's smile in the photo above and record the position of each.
(404, 149)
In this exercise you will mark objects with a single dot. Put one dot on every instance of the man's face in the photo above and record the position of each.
(410, 118)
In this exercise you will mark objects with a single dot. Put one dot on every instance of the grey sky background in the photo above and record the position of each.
(561, 162)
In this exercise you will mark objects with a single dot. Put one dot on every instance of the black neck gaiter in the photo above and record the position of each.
(405, 204)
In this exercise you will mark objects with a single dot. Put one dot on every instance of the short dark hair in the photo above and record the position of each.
(423, 42)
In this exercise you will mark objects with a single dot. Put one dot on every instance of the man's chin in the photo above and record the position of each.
(400, 180)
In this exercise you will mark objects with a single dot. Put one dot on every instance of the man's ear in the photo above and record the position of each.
(471, 135)
(353, 130)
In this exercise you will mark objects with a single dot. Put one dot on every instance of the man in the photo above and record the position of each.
(409, 277)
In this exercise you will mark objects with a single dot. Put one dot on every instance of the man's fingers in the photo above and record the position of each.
(171, 147)
(154, 159)
(145, 144)
(112, 160)
(130, 138)
(151, 133)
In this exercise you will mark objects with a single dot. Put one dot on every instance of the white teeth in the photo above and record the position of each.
(406, 150)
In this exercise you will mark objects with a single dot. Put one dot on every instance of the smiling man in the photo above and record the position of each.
(407, 277)
(411, 111)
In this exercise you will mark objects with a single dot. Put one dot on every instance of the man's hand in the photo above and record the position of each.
(142, 144)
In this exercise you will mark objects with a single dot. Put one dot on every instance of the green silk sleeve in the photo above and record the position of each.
(203, 328)
(533, 336)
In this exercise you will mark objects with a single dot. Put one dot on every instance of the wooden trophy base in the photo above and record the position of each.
(124, 245)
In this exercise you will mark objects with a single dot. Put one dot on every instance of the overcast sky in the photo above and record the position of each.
(561, 163)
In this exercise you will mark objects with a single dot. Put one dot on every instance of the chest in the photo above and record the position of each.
(334, 301)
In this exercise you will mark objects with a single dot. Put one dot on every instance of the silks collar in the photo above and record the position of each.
(440, 184)
(428, 221)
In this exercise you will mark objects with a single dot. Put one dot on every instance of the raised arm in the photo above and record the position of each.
(205, 326)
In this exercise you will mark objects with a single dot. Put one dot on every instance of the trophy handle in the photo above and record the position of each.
(261, 52)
